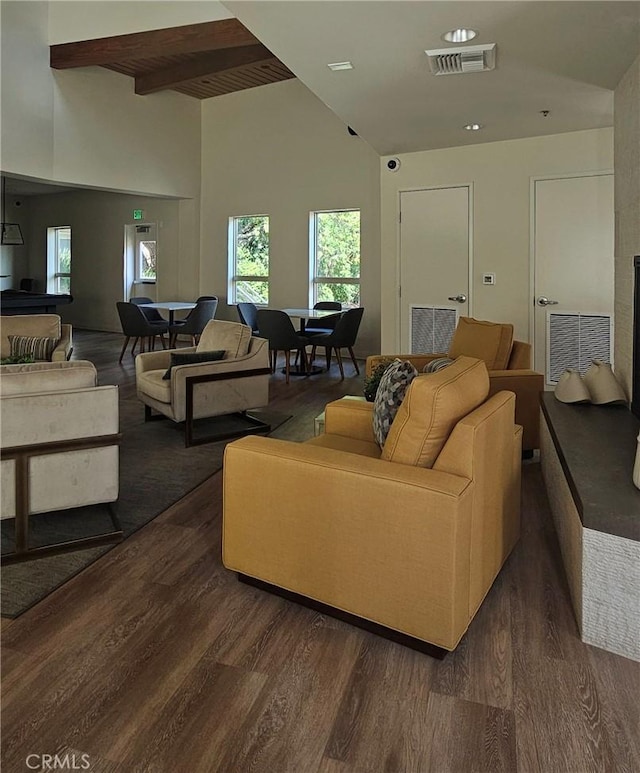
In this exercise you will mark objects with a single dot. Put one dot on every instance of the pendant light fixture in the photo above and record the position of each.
(10, 233)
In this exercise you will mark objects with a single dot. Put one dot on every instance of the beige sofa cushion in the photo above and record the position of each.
(38, 377)
(433, 405)
(152, 383)
(233, 337)
(488, 341)
(40, 325)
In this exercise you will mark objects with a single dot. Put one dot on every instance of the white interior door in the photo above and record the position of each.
(434, 264)
(573, 272)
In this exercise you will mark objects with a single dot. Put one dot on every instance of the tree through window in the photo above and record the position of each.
(249, 259)
(335, 255)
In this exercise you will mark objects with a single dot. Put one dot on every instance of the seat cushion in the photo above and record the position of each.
(389, 396)
(152, 383)
(233, 337)
(349, 444)
(38, 377)
(433, 405)
(488, 341)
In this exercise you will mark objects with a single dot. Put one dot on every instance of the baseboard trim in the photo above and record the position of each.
(325, 609)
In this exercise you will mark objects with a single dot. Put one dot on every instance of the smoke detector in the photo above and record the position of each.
(449, 61)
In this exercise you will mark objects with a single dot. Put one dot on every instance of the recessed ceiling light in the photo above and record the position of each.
(340, 66)
(460, 35)
(473, 127)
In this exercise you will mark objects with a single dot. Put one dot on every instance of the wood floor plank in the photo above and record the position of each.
(470, 737)
(479, 670)
(288, 728)
(380, 723)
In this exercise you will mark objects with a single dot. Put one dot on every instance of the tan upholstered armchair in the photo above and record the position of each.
(407, 539)
(236, 383)
(508, 362)
(37, 326)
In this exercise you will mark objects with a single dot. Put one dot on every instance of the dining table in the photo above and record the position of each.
(170, 306)
(304, 315)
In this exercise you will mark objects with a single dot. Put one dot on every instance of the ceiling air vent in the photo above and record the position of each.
(449, 61)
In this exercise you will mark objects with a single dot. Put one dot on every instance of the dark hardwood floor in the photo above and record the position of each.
(156, 660)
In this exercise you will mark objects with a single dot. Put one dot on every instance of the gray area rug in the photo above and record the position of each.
(156, 470)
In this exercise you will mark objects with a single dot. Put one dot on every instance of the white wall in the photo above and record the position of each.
(97, 221)
(501, 174)
(119, 17)
(278, 150)
(627, 205)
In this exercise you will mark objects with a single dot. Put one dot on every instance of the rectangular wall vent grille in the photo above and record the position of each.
(574, 340)
(431, 328)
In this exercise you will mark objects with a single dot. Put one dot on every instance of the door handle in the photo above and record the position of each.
(462, 298)
(542, 301)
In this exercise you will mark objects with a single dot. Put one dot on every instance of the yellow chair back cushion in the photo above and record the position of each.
(433, 405)
(488, 341)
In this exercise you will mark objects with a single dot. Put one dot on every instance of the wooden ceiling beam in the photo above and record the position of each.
(201, 66)
(192, 38)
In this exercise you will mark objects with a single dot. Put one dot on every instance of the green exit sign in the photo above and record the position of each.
(138, 214)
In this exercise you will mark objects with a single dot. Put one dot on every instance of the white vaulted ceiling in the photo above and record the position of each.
(565, 57)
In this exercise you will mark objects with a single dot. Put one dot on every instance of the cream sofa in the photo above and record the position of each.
(59, 438)
(39, 325)
(405, 540)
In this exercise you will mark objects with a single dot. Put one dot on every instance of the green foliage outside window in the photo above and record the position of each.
(252, 258)
(338, 256)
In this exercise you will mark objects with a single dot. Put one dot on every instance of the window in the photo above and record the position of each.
(59, 259)
(249, 259)
(335, 257)
(146, 253)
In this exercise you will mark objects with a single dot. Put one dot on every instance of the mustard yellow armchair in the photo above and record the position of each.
(508, 362)
(406, 539)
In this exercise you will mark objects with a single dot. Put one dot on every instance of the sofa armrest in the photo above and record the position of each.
(160, 360)
(418, 360)
(350, 418)
(527, 386)
(64, 348)
(396, 552)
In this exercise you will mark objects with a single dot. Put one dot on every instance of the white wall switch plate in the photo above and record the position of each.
(488, 279)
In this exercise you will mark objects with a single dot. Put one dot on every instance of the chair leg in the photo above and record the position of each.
(313, 356)
(133, 348)
(152, 339)
(126, 341)
(353, 359)
(327, 354)
(339, 358)
(162, 341)
(287, 359)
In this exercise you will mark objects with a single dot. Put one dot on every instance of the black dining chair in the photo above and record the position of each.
(153, 315)
(135, 325)
(327, 324)
(277, 327)
(343, 337)
(248, 313)
(194, 323)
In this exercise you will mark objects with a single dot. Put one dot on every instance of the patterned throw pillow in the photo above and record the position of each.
(33, 346)
(191, 358)
(438, 364)
(393, 386)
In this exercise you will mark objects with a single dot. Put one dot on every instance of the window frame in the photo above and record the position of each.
(137, 255)
(54, 275)
(232, 276)
(314, 278)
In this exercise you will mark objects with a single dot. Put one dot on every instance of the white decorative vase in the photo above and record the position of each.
(636, 467)
(602, 384)
(570, 388)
